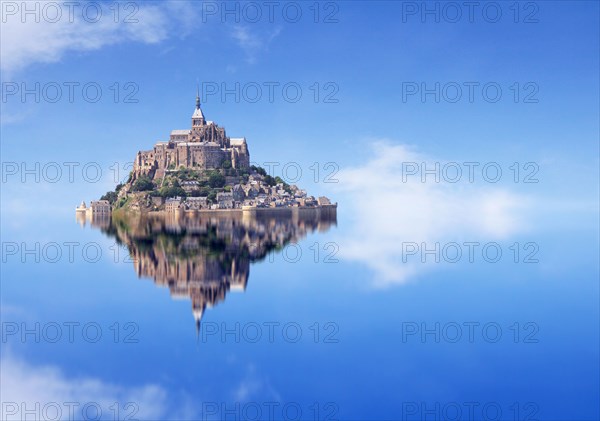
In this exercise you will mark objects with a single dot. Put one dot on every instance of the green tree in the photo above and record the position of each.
(259, 170)
(143, 183)
(172, 191)
(216, 180)
(286, 186)
(111, 196)
(270, 180)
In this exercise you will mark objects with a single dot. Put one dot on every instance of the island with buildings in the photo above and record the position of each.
(203, 170)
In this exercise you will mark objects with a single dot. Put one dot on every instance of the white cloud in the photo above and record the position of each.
(254, 386)
(252, 42)
(25, 42)
(386, 211)
(24, 383)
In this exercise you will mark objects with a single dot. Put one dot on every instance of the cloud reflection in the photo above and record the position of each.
(32, 386)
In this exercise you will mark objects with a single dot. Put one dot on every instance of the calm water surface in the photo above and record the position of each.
(264, 318)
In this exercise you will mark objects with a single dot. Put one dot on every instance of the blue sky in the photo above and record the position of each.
(364, 58)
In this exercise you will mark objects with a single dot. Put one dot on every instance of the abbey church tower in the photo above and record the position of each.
(198, 117)
(205, 146)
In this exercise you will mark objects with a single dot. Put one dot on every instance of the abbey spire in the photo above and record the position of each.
(198, 117)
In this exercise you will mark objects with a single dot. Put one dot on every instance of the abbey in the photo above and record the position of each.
(205, 146)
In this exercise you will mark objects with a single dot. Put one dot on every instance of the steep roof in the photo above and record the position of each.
(237, 141)
(180, 132)
(198, 113)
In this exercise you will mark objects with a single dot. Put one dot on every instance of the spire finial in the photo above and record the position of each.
(197, 96)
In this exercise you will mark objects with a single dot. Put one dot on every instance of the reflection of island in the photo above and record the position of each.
(205, 256)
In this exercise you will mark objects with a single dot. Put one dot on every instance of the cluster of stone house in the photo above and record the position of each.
(204, 146)
(224, 201)
(254, 193)
(257, 193)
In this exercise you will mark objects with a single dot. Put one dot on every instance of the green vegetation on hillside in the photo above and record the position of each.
(111, 196)
(143, 183)
(206, 183)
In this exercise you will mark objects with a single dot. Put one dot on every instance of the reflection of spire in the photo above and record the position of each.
(197, 330)
(198, 317)
(204, 258)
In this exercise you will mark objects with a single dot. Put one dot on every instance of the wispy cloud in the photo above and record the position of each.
(254, 386)
(252, 42)
(28, 385)
(386, 210)
(25, 42)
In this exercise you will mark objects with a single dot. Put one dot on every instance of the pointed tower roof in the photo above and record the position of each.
(197, 111)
